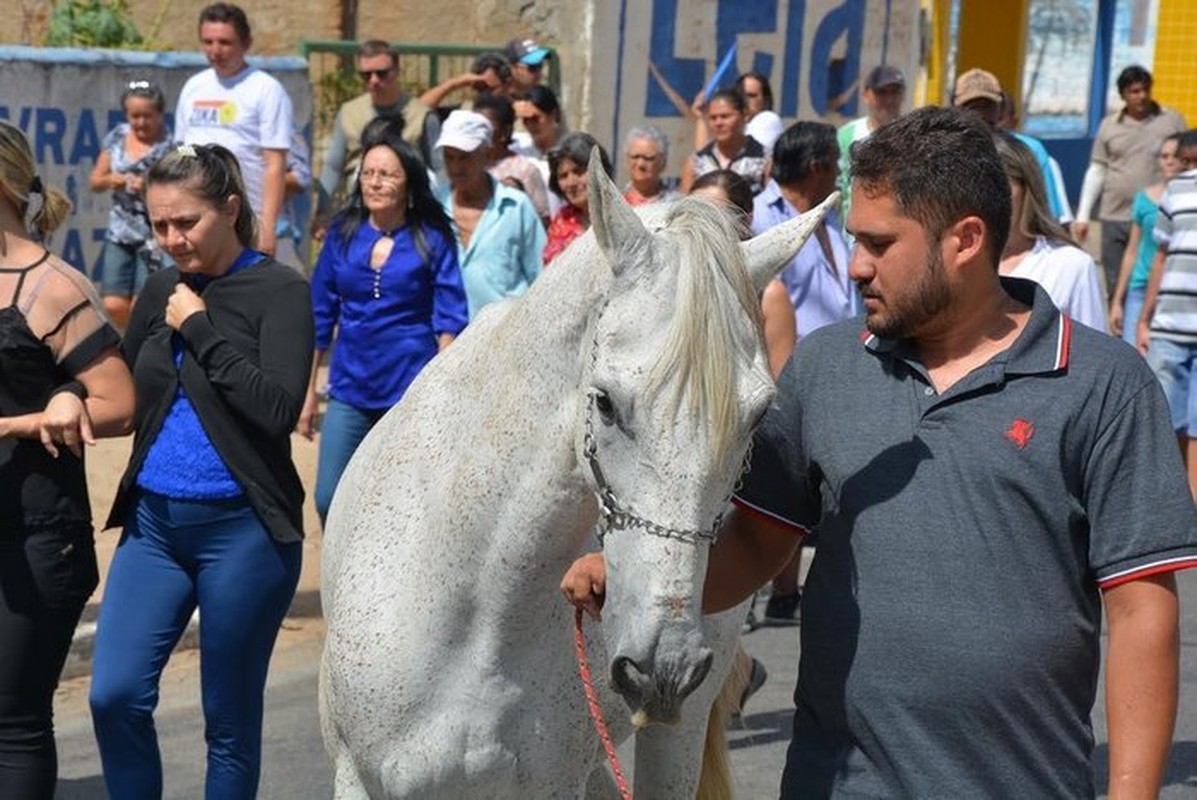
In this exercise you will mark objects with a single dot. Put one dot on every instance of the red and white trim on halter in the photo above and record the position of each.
(1147, 570)
(1063, 342)
(744, 505)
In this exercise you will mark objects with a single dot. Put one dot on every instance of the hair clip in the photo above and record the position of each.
(186, 150)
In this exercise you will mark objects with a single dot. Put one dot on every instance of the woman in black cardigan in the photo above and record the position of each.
(221, 349)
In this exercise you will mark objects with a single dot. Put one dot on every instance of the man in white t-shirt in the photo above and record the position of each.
(242, 108)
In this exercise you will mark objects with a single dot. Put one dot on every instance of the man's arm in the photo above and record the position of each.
(433, 97)
(274, 189)
(1095, 176)
(1142, 667)
(751, 549)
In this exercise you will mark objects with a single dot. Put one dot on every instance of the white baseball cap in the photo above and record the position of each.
(466, 131)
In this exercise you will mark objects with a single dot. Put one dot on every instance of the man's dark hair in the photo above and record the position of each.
(576, 147)
(734, 185)
(1132, 75)
(377, 47)
(939, 165)
(502, 106)
(802, 147)
(766, 89)
(496, 61)
(544, 99)
(230, 15)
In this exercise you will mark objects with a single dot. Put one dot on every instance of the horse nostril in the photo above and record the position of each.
(626, 676)
(697, 675)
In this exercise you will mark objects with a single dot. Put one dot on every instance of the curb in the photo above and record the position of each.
(304, 605)
(78, 661)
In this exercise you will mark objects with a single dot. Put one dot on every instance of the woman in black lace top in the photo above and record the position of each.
(62, 383)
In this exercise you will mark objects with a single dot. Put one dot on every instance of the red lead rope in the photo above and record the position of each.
(596, 711)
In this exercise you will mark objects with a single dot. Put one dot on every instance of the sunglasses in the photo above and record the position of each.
(381, 74)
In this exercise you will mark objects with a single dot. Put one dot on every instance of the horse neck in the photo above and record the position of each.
(545, 334)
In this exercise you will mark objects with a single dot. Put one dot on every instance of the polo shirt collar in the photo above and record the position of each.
(1042, 347)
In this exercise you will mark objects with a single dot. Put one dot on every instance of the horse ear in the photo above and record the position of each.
(767, 254)
(619, 232)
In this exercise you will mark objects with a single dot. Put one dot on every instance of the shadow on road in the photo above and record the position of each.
(759, 729)
(89, 788)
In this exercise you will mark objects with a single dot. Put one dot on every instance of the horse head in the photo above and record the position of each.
(675, 380)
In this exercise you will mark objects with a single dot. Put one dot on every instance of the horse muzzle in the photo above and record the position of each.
(655, 687)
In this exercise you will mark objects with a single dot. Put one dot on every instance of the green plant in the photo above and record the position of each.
(92, 23)
(332, 89)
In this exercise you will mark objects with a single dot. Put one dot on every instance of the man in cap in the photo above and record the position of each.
(981, 93)
(527, 63)
(500, 238)
(883, 93)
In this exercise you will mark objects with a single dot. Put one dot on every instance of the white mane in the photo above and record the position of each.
(714, 293)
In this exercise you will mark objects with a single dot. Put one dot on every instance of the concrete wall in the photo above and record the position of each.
(67, 100)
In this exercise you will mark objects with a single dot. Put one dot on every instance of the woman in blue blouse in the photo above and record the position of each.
(388, 280)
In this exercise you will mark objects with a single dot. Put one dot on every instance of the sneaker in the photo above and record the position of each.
(782, 609)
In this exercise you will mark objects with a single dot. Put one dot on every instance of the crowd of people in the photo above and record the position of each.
(911, 453)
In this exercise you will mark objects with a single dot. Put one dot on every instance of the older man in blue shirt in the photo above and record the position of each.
(804, 172)
(500, 237)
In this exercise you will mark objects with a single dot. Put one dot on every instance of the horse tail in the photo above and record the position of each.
(715, 780)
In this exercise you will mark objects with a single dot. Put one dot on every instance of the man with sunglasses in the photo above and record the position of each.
(378, 67)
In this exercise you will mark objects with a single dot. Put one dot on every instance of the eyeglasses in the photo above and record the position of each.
(537, 67)
(641, 157)
(381, 74)
(371, 175)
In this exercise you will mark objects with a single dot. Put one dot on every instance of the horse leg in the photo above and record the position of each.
(672, 759)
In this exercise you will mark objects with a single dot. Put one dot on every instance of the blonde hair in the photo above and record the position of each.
(1020, 165)
(19, 180)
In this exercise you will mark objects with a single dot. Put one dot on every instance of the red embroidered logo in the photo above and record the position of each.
(1020, 432)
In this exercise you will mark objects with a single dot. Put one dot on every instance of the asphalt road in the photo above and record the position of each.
(295, 766)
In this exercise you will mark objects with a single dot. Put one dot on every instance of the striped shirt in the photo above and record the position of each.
(1176, 228)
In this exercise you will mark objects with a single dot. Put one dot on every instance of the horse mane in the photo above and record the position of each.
(714, 293)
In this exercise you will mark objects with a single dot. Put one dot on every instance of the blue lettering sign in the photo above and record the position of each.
(831, 78)
(86, 144)
(72, 249)
(51, 127)
(830, 81)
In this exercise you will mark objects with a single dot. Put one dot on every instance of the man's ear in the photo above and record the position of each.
(970, 238)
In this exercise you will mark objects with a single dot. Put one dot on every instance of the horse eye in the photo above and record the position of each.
(604, 405)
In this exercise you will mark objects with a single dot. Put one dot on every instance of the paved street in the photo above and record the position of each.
(295, 766)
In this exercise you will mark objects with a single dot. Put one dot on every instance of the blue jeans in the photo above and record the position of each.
(342, 431)
(1132, 309)
(1175, 365)
(173, 556)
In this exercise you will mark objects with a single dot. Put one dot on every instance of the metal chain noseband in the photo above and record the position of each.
(614, 515)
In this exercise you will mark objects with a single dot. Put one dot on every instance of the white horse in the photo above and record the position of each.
(621, 390)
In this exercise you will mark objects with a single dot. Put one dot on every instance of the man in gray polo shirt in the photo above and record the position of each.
(984, 475)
